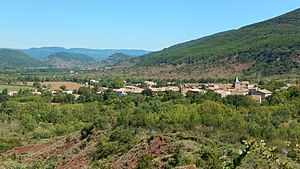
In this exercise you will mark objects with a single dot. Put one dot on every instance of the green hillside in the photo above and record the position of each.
(65, 59)
(12, 58)
(117, 59)
(270, 48)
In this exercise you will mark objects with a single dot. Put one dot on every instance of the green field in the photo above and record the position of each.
(15, 88)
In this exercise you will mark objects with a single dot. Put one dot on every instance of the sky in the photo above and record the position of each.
(126, 24)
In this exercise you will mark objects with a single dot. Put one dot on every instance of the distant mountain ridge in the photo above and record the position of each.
(13, 58)
(271, 47)
(67, 60)
(99, 54)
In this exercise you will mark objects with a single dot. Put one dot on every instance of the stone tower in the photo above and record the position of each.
(237, 84)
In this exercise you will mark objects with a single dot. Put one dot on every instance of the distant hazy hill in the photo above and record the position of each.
(17, 59)
(95, 53)
(64, 59)
(271, 47)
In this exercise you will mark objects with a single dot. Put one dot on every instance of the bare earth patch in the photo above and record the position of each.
(70, 154)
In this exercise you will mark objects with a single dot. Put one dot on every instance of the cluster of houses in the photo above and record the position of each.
(13, 93)
(237, 88)
(240, 88)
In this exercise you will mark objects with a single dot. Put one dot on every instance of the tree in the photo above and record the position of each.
(294, 91)
(116, 83)
(4, 97)
(84, 90)
(147, 92)
(63, 87)
(37, 84)
(145, 162)
(5, 91)
(171, 95)
(238, 101)
(297, 82)
(69, 98)
(96, 87)
(276, 98)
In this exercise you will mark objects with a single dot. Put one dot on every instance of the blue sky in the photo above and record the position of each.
(126, 24)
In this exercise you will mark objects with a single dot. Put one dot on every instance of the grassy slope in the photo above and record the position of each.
(14, 88)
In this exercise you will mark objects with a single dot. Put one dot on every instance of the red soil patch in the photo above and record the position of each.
(77, 162)
(157, 147)
(82, 158)
(29, 149)
(54, 148)
(59, 150)
(241, 67)
(62, 149)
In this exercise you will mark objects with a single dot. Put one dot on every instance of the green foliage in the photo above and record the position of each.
(276, 98)
(238, 101)
(147, 92)
(70, 59)
(4, 91)
(84, 90)
(7, 144)
(119, 142)
(273, 85)
(116, 83)
(28, 123)
(37, 84)
(64, 98)
(63, 87)
(145, 162)
(294, 92)
(208, 157)
(260, 149)
(106, 149)
(117, 59)
(200, 98)
(271, 45)
(124, 125)
(16, 59)
(86, 131)
(171, 95)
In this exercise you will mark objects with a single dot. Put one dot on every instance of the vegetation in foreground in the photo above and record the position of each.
(150, 131)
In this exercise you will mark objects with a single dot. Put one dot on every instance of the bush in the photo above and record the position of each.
(145, 162)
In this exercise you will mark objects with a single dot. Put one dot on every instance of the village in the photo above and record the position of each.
(236, 88)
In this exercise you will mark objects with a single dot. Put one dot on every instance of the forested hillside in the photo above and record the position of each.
(270, 48)
(118, 59)
(12, 58)
(64, 59)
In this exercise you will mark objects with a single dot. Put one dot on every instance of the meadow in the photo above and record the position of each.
(14, 88)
